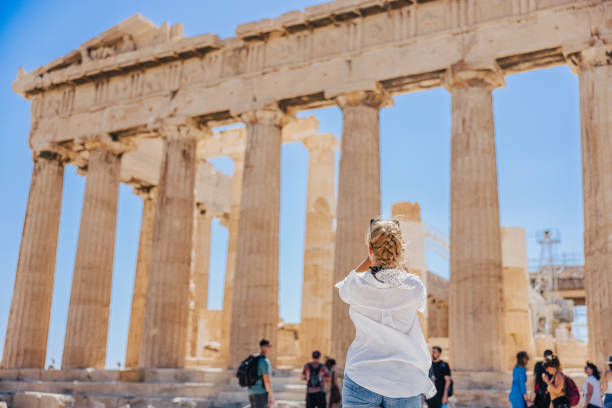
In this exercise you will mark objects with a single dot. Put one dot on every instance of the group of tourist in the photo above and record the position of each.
(321, 380)
(552, 388)
(388, 365)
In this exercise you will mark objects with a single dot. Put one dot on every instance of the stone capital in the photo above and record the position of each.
(597, 55)
(272, 116)
(107, 143)
(182, 129)
(146, 192)
(60, 154)
(321, 142)
(485, 75)
(374, 99)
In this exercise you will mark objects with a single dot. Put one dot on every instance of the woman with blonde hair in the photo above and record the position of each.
(388, 362)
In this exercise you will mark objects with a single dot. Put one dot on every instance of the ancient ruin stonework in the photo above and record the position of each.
(138, 103)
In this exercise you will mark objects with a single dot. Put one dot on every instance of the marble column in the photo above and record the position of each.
(164, 338)
(87, 326)
(255, 299)
(413, 233)
(594, 68)
(25, 345)
(315, 326)
(358, 200)
(148, 195)
(230, 265)
(198, 286)
(516, 295)
(476, 303)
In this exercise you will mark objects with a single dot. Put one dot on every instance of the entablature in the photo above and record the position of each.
(399, 46)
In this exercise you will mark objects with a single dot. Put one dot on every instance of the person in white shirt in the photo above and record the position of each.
(591, 388)
(387, 364)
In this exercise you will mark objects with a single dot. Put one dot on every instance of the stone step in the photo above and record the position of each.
(281, 396)
(47, 400)
(115, 388)
(146, 375)
(275, 386)
(481, 399)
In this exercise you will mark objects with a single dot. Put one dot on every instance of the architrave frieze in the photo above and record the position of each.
(293, 61)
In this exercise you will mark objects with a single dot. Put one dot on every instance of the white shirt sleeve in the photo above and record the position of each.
(421, 294)
(344, 287)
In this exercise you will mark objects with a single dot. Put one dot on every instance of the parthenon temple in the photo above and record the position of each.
(140, 104)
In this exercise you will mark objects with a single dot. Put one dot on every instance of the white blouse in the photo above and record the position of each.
(389, 355)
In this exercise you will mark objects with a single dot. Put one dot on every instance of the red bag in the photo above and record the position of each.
(571, 391)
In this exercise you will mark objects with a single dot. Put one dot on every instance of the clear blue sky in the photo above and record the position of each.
(537, 133)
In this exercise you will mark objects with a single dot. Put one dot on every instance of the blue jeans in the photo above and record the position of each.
(356, 396)
(608, 401)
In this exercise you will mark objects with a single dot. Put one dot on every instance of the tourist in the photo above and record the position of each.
(555, 383)
(335, 398)
(388, 362)
(606, 384)
(315, 374)
(591, 388)
(260, 394)
(440, 374)
(518, 395)
(542, 398)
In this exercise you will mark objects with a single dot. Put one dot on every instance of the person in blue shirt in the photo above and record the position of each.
(518, 395)
(260, 393)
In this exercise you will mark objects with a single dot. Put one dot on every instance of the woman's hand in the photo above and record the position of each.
(545, 378)
(364, 265)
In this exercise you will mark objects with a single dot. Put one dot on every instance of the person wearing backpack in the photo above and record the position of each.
(563, 391)
(254, 373)
(315, 374)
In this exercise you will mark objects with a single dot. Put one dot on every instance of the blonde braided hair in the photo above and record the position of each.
(385, 238)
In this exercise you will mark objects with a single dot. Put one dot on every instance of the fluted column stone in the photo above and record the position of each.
(230, 264)
(164, 339)
(139, 296)
(315, 325)
(594, 68)
(358, 199)
(198, 285)
(255, 299)
(476, 281)
(413, 233)
(516, 295)
(25, 344)
(88, 313)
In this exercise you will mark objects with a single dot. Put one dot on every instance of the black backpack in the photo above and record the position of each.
(248, 371)
(313, 380)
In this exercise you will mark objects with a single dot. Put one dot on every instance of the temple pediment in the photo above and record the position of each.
(134, 40)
